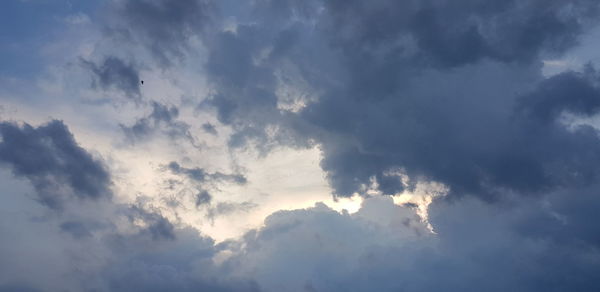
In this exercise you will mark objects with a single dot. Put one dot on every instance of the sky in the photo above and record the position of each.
(299, 145)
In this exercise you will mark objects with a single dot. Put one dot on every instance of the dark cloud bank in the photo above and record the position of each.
(444, 91)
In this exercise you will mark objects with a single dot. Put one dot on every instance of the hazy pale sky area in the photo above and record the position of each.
(299, 145)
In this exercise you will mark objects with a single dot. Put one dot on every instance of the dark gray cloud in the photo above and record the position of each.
(163, 27)
(472, 146)
(183, 264)
(548, 245)
(16, 288)
(383, 247)
(435, 89)
(477, 246)
(203, 198)
(209, 128)
(158, 227)
(114, 247)
(162, 259)
(78, 229)
(442, 33)
(211, 180)
(446, 91)
(50, 158)
(81, 249)
(200, 175)
(115, 73)
(570, 92)
(246, 89)
(245, 67)
(163, 118)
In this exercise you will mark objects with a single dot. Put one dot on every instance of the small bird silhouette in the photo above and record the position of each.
(142, 82)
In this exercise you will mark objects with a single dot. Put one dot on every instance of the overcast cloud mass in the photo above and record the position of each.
(300, 145)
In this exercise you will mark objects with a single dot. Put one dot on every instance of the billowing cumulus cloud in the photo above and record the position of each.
(398, 97)
(386, 248)
(434, 89)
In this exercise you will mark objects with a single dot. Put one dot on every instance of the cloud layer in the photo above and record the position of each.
(396, 95)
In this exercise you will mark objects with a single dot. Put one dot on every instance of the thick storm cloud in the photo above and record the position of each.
(445, 91)
(397, 96)
(442, 91)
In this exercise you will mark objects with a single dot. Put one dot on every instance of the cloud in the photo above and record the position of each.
(163, 119)
(209, 128)
(93, 245)
(158, 226)
(200, 175)
(50, 158)
(78, 229)
(385, 247)
(179, 265)
(450, 34)
(115, 73)
(569, 92)
(227, 208)
(163, 27)
(525, 244)
(468, 136)
(393, 94)
(431, 90)
(16, 288)
(145, 262)
(203, 198)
